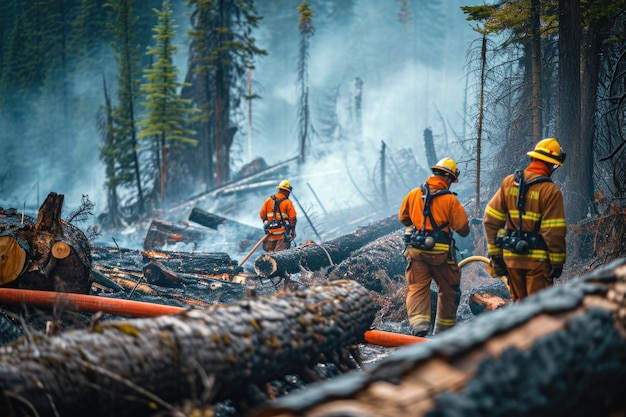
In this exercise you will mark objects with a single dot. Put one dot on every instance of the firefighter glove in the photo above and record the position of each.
(498, 265)
(265, 226)
(556, 271)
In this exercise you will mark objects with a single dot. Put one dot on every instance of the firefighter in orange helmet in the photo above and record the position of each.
(431, 213)
(279, 219)
(525, 224)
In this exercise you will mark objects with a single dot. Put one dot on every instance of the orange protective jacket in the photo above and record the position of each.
(444, 208)
(285, 212)
(544, 206)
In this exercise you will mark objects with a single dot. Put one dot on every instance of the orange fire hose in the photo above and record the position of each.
(389, 339)
(83, 302)
(94, 303)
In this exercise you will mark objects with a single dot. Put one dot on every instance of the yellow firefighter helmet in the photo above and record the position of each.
(548, 150)
(285, 185)
(447, 166)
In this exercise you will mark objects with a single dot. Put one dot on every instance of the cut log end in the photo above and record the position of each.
(265, 265)
(12, 259)
(61, 250)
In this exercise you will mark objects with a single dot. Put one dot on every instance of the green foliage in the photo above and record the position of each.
(167, 113)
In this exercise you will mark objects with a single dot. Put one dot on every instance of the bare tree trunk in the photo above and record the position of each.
(535, 24)
(577, 191)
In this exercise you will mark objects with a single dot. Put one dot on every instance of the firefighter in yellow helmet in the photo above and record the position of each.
(279, 219)
(525, 224)
(431, 213)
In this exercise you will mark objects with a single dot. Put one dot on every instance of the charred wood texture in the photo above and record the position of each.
(488, 298)
(44, 253)
(375, 265)
(137, 367)
(216, 222)
(560, 352)
(196, 279)
(162, 233)
(313, 257)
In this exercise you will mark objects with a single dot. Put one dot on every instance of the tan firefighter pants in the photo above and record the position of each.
(527, 277)
(421, 269)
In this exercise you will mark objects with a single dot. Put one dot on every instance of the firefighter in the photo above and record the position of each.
(279, 219)
(525, 224)
(431, 213)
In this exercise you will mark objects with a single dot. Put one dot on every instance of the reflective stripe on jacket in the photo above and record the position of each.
(285, 211)
(544, 205)
(444, 208)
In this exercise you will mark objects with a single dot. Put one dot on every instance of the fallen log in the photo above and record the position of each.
(44, 253)
(139, 367)
(368, 265)
(162, 233)
(489, 298)
(313, 257)
(559, 352)
(213, 221)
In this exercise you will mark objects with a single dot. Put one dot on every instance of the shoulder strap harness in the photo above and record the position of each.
(428, 198)
(277, 207)
(518, 177)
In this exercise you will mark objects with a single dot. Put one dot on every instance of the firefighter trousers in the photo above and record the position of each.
(527, 277)
(421, 270)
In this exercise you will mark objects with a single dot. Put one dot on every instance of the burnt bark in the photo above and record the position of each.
(560, 352)
(138, 367)
(162, 233)
(313, 257)
(44, 253)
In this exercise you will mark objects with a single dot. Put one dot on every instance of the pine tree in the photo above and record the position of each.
(126, 145)
(222, 49)
(167, 116)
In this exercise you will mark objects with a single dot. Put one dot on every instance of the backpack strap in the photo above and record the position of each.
(428, 198)
(277, 206)
(518, 177)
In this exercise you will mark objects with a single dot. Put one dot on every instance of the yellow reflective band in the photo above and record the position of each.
(493, 248)
(553, 223)
(529, 215)
(446, 322)
(496, 214)
(557, 258)
(419, 318)
(532, 254)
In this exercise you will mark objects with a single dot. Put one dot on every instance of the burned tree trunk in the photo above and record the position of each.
(316, 256)
(45, 253)
(560, 352)
(206, 219)
(137, 367)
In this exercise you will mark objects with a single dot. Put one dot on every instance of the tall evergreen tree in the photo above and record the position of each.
(127, 56)
(167, 116)
(222, 49)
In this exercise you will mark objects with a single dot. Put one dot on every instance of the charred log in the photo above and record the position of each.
(162, 233)
(313, 257)
(560, 352)
(376, 265)
(206, 219)
(489, 298)
(44, 253)
(138, 367)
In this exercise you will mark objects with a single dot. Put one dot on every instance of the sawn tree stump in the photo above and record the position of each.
(46, 253)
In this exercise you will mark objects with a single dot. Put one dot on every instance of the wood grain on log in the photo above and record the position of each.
(46, 253)
(313, 257)
(560, 352)
(162, 233)
(12, 259)
(137, 367)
